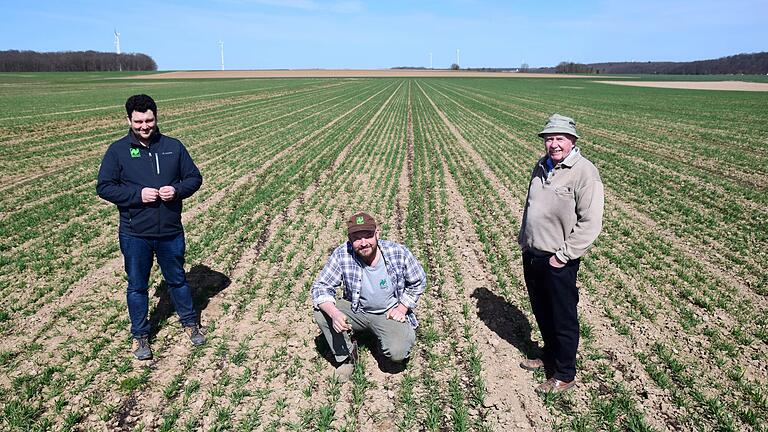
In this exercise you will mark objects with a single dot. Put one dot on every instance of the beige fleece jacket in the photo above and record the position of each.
(564, 209)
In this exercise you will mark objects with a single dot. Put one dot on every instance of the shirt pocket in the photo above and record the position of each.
(564, 191)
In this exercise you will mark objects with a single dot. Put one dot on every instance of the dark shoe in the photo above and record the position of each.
(553, 385)
(532, 364)
(353, 355)
(194, 334)
(141, 349)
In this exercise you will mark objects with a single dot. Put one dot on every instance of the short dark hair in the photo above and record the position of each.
(141, 103)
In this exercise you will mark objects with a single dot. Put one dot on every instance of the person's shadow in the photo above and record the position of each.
(506, 320)
(204, 284)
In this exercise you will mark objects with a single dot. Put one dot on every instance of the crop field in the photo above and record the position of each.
(673, 296)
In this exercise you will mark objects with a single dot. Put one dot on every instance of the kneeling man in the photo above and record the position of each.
(382, 283)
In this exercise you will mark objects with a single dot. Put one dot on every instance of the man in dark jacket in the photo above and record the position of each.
(147, 175)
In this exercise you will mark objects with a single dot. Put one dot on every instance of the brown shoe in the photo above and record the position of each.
(344, 371)
(353, 355)
(532, 364)
(553, 385)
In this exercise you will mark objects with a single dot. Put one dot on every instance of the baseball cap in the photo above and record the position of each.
(360, 222)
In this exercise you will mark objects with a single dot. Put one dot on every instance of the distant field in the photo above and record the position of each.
(673, 295)
(696, 85)
(351, 73)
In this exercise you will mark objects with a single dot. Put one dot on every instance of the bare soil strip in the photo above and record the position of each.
(345, 73)
(696, 85)
(406, 174)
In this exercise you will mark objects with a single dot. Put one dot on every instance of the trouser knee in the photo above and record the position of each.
(398, 350)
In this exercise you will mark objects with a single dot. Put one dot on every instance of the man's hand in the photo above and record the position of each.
(554, 262)
(149, 195)
(340, 323)
(338, 319)
(167, 193)
(397, 313)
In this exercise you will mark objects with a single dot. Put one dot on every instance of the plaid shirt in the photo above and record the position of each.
(344, 266)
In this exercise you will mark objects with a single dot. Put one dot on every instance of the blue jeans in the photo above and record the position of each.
(139, 253)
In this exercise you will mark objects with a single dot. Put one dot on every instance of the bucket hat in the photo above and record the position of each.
(559, 124)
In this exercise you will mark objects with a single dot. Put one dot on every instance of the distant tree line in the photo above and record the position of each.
(73, 61)
(747, 64)
(571, 68)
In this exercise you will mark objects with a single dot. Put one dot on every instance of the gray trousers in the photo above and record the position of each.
(396, 338)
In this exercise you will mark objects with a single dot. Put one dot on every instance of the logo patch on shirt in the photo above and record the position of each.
(383, 283)
(167, 153)
(135, 153)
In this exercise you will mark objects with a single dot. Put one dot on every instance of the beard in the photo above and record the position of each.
(368, 252)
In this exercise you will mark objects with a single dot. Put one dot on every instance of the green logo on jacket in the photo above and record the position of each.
(135, 152)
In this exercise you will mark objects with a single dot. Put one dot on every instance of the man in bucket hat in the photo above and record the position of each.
(562, 218)
(382, 283)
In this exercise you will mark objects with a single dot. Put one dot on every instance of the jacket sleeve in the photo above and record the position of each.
(521, 234)
(190, 178)
(324, 288)
(110, 186)
(415, 280)
(589, 220)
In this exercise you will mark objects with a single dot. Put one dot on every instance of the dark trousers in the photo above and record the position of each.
(139, 254)
(554, 297)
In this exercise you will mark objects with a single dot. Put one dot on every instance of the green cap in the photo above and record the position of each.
(559, 124)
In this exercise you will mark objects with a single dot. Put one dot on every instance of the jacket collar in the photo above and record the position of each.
(135, 140)
(573, 157)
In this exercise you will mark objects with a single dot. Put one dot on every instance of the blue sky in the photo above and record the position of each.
(269, 34)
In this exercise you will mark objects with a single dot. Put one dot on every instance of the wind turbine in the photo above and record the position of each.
(117, 41)
(458, 63)
(221, 46)
(117, 49)
(430, 60)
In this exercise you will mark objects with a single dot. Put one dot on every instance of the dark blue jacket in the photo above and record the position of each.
(128, 167)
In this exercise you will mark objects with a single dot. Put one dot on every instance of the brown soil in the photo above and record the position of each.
(345, 73)
(696, 85)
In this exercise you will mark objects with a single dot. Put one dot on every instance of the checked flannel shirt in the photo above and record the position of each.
(344, 266)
